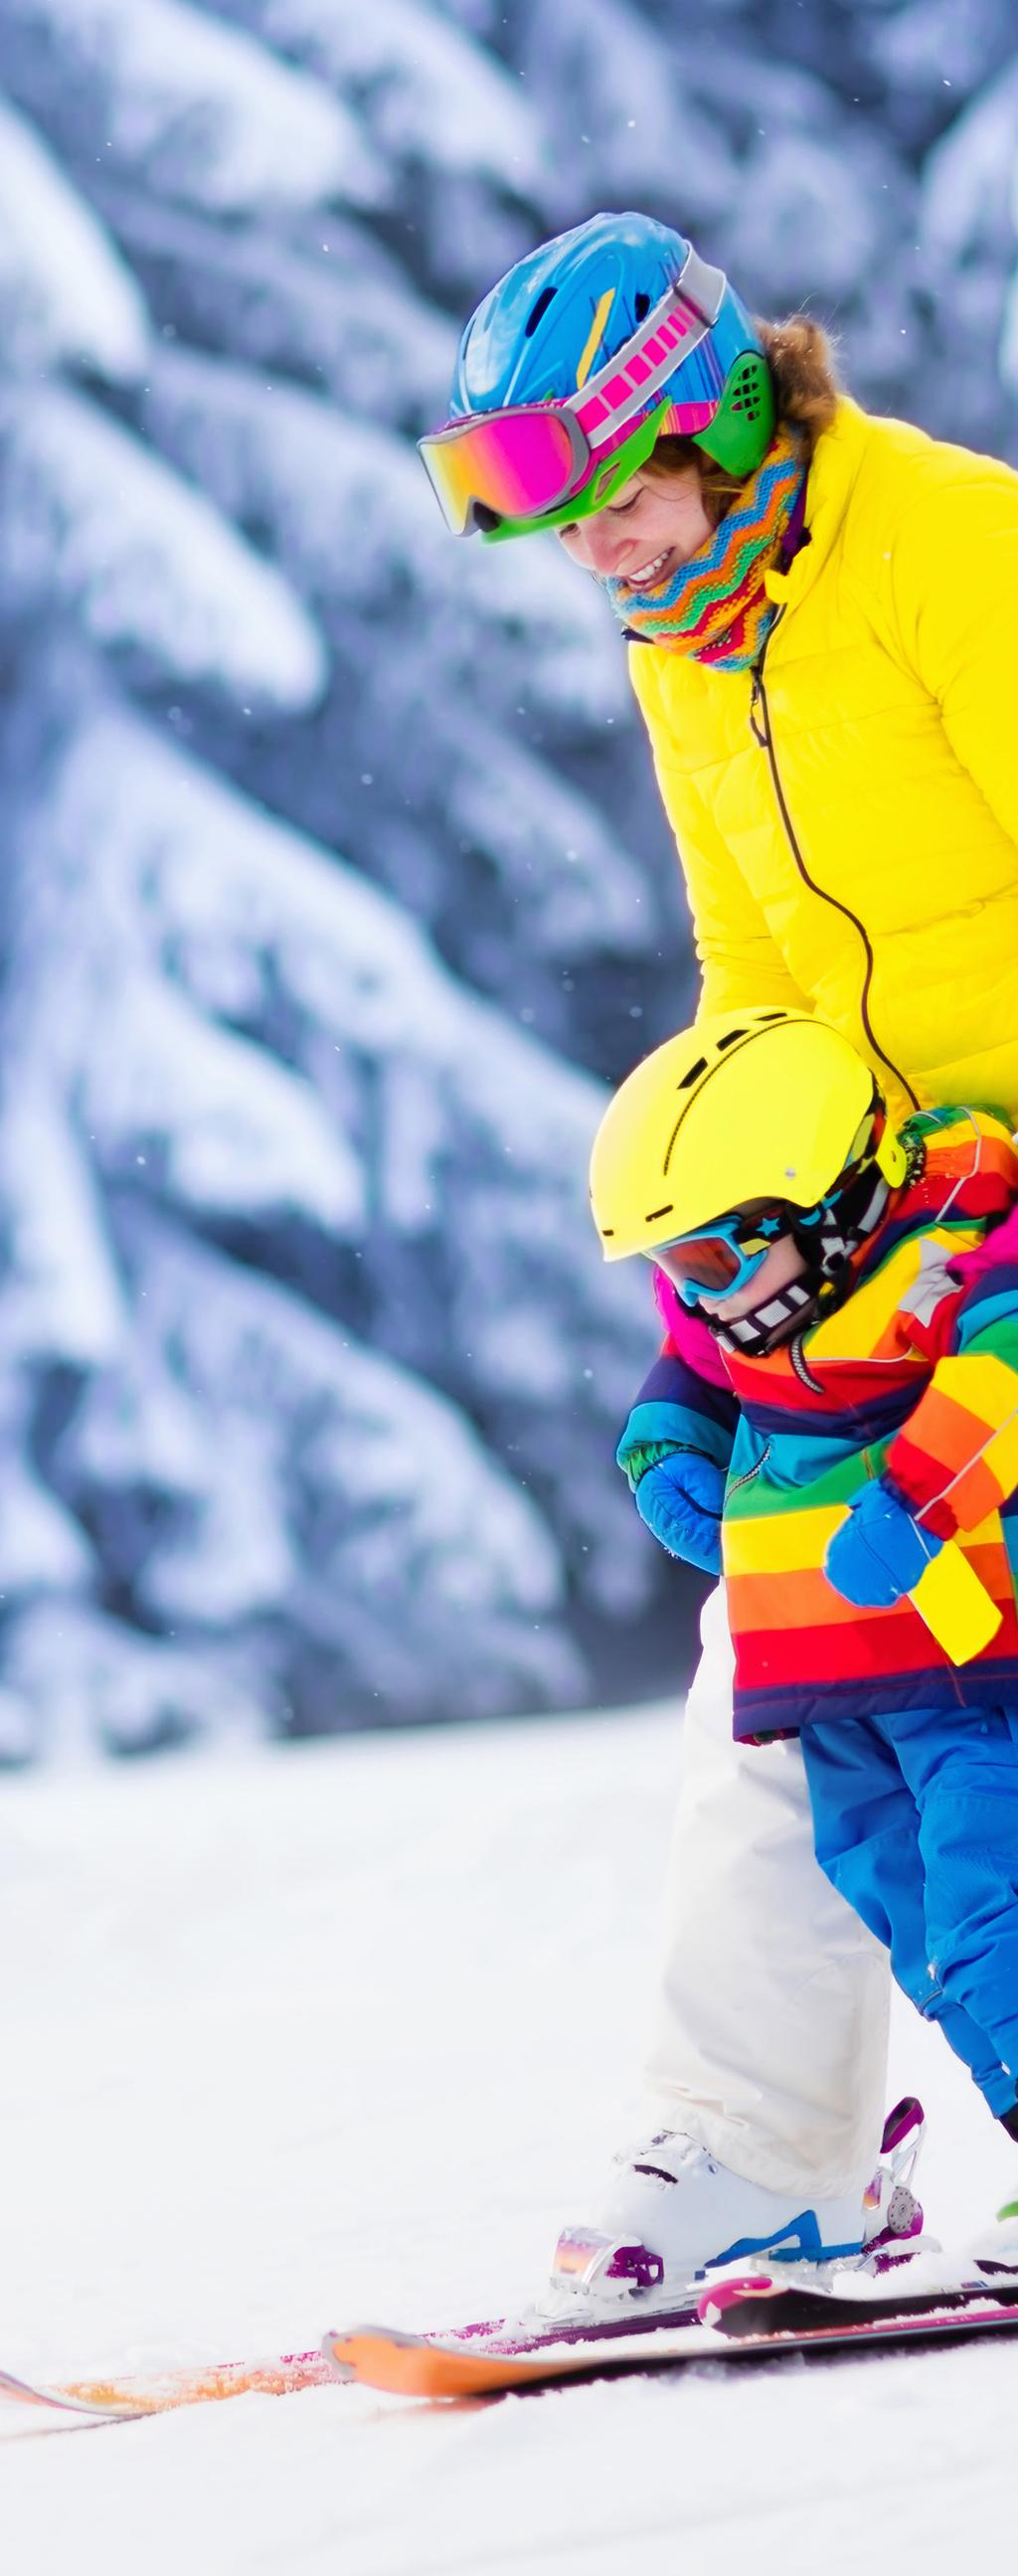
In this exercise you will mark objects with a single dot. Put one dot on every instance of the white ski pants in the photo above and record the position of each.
(770, 2046)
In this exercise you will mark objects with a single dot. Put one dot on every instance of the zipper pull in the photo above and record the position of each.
(757, 699)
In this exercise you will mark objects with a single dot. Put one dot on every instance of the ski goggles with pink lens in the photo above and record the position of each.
(722, 1259)
(533, 458)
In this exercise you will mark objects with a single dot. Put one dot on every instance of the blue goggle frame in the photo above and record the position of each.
(738, 1247)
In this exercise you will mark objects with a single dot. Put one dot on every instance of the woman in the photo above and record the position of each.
(820, 613)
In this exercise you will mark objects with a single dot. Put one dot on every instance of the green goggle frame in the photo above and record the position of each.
(741, 430)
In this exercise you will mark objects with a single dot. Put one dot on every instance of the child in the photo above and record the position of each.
(835, 1407)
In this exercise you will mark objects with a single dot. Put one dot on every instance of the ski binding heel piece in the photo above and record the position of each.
(893, 2215)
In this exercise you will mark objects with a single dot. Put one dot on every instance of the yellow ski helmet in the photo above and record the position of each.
(754, 1104)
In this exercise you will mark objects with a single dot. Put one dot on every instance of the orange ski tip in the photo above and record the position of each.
(104, 2404)
(383, 2357)
(409, 2365)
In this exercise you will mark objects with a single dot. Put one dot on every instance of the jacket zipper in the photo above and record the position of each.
(766, 742)
(799, 1363)
(749, 1474)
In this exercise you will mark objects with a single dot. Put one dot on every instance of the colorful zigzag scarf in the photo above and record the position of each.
(715, 606)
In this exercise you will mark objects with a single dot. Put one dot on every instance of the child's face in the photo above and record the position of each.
(784, 1262)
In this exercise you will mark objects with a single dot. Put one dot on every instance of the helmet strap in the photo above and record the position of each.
(829, 1236)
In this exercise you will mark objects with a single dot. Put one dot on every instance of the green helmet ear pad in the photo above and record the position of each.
(743, 424)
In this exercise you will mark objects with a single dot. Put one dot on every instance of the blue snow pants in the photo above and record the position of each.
(915, 1820)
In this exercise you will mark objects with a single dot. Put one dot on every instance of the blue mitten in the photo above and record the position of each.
(879, 1552)
(681, 1501)
(679, 1494)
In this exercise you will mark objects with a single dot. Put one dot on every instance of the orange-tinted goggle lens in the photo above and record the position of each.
(517, 463)
(726, 1256)
(708, 1262)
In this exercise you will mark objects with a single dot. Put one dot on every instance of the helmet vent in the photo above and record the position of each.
(694, 1073)
(746, 394)
(641, 307)
(731, 1038)
(537, 310)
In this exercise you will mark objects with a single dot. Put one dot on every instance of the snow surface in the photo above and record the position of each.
(338, 312)
(422, 88)
(157, 85)
(92, 521)
(352, 521)
(346, 2031)
(232, 1023)
(64, 293)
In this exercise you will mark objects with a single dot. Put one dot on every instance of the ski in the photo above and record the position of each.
(747, 2317)
(770, 2314)
(410, 2365)
(26, 2392)
(126, 2400)
(750, 2315)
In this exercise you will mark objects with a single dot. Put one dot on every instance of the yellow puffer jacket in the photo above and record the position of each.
(849, 828)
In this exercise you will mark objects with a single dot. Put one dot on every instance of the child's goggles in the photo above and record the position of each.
(536, 457)
(722, 1259)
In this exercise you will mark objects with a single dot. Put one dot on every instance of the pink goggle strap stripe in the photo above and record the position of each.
(630, 380)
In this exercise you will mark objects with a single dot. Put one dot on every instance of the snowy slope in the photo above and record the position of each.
(345, 2031)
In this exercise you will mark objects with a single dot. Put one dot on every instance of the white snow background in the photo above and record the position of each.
(345, 2032)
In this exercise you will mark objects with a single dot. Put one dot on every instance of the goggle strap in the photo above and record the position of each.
(676, 325)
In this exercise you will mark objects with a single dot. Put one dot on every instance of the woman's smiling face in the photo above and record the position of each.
(651, 528)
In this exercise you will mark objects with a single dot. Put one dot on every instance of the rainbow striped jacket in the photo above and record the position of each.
(914, 1375)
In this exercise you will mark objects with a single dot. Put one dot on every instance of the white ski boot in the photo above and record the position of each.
(673, 2214)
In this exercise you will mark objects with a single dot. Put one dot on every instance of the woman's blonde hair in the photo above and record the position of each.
(806, 390)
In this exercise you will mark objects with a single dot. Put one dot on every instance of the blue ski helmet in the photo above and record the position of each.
(593, 324)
